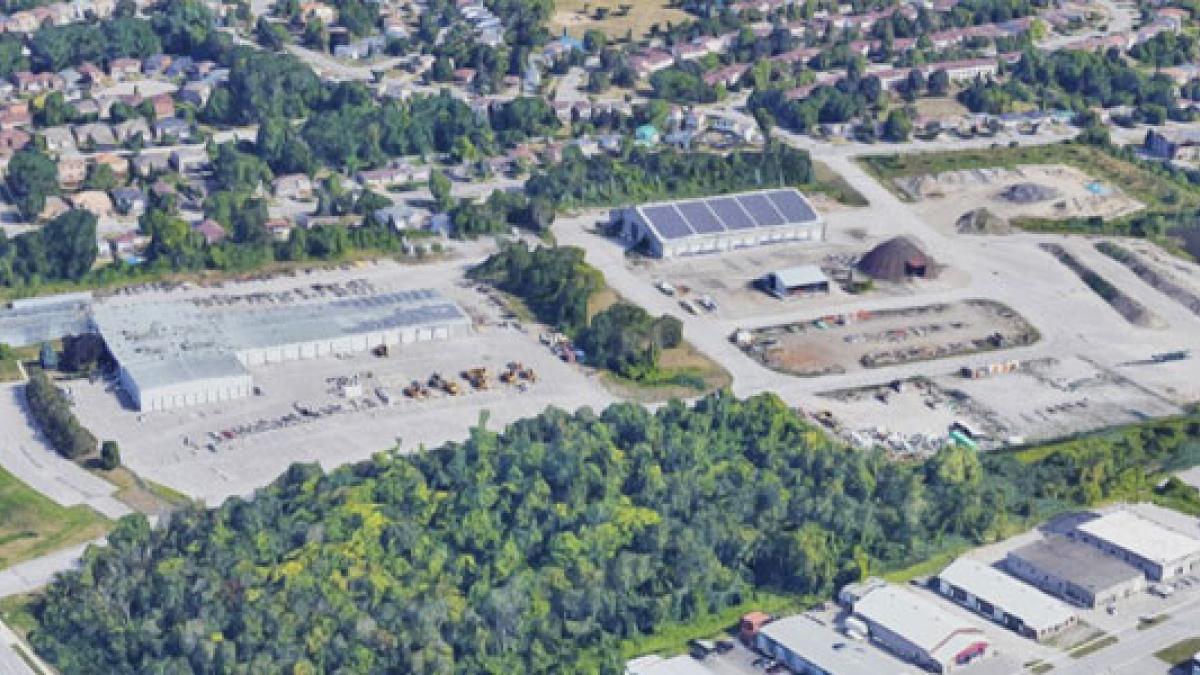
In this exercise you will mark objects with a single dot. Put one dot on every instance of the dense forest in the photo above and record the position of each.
(537, 548)
(645, 175)
(554, 282)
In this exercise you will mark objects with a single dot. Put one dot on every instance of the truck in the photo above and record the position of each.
(664, 287)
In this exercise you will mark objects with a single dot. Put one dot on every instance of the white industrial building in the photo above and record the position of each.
(917, 630)
(1161, 553)
(807, 646)
(174, 354)
(1005, 600)
(710, 224)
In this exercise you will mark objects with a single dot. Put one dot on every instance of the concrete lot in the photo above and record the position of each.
(173, 447)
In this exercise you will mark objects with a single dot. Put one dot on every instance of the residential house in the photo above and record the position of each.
(195, 93)
(163, 106)
(172, 128)
(118, 164)
(94, 135)
(12, 140)
(180, 66)
(650, 61)
(93, 75)
(126, 131)
(21, 22)
(292, 186)
(129, 200)
(156, 64)
(93, 201)
(148, 163)
(15, 114)
(36, 83)
(71, 171)
(280, 228)
(185, 159)
(402, 217)
(87, 108)
(124, 69)
(212, 231)
(727, 76)
(59, 140)
(127, 244)
(310, 11)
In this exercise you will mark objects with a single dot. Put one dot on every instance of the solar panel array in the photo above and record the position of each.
(714, 215)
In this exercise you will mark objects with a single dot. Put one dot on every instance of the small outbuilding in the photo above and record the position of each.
(897, 259)
(795, 281)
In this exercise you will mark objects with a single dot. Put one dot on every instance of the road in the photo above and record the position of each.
(25, 453)
(11, 662)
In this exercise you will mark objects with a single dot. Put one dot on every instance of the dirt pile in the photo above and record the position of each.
(1028, 193)
(982, 221)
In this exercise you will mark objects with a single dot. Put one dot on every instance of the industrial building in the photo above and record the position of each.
(1075, 572)
(682, 227)
(182, 353)
(917, 630)
(1003, 599)
(1161, 553)
(795, 281)
(36, 320)
(809, 647)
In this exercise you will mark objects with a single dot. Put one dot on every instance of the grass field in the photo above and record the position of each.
(10, 370)
(1179, 652)
(579, 16)
(32, 525)
(1151, 189)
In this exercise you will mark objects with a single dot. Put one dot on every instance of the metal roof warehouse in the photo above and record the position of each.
(1160, 552)
(710, 224)
(183, 353)
(806, 646)
(1003, 599)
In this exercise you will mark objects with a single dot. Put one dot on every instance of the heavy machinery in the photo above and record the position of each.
(416, 390)
(478, 377)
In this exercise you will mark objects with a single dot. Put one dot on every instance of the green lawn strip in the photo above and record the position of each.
(31, 525)
(1180, 652)
(1094, 646)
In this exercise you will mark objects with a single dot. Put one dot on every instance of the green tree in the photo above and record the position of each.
(31, 177)
(110, 455)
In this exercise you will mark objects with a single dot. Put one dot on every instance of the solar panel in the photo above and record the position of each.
(730, 213)
(761, 210)
(667, 221)
(700, 218)
(792, 206)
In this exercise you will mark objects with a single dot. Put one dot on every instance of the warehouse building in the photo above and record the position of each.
(36, 320)
(917, 630)
(995, 595)
(796, 281)
(711, 224)
(1161, 553)
(657, 665)
(808, 647)
(174, 354)
(1075, 572)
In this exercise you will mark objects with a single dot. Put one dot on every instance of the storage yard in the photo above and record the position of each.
(1021, 402)
(843, 342)
(1031, 191)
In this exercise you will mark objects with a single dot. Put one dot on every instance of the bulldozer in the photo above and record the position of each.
(478, 377)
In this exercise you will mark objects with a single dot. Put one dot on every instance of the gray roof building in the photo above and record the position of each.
(1005, 600)
(806, 646)
(1075, 571)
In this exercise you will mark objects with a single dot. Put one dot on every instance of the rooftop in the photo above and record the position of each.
(161, 343)
(677, 219)
(936, 631)
(657, 665)
(801, 275)
(1141, 536)
(832, 652)
(1084, 565)
(1038, 610)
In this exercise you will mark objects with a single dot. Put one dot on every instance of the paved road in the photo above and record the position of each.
(25, 453)
(33, 574)
(10, 662)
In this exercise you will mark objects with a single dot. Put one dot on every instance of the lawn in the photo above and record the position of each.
(1094, 646)
(579, 16)
(31, 525)
(10, 370)
(1151, 189)
(1180, 652)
